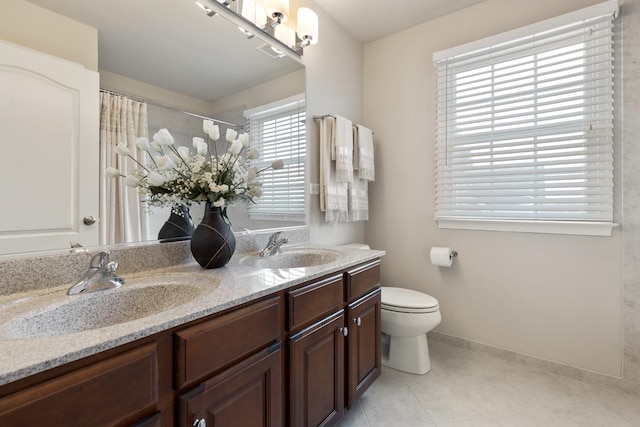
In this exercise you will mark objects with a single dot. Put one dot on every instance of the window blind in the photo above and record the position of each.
(278, 131)
(524, 127)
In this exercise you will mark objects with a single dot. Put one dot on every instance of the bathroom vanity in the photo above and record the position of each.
(254, 346)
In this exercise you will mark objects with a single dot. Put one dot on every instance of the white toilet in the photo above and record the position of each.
(407, 316)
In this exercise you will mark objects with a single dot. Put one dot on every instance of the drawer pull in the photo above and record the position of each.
(199, 422)
(344, 331)
(357, 321)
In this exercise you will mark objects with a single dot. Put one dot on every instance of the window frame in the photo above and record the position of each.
(493, 223)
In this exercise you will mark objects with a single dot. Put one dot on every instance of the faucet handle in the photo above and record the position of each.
(99, 259)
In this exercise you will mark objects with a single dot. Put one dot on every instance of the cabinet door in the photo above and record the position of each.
(363, 348)
(106, 393)
(316, 363)
(49, 115)
(247, 394)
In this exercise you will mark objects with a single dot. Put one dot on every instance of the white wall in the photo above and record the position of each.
(551, 296)
(334, 85)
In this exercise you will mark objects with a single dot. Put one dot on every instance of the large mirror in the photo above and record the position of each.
(186, 64)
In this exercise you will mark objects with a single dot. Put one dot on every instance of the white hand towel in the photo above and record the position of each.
(358, 200)
(342, 149)
(363, 154)
(333, 196)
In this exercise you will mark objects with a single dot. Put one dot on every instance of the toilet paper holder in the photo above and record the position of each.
(453, 254)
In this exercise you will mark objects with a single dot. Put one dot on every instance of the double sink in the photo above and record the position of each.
(55, 314)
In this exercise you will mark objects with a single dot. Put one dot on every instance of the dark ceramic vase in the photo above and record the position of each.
(213, 242)
(179, 226)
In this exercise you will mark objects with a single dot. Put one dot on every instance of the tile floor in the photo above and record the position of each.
(471, 389)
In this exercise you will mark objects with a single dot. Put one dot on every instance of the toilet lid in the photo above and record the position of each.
(400, 299)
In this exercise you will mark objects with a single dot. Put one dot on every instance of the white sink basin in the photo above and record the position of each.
(292, 258)
(100, 309)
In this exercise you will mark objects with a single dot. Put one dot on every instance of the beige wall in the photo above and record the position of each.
(334, 85)
(552, 296)
(28, 25)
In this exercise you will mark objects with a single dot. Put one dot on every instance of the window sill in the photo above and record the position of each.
(544, 227)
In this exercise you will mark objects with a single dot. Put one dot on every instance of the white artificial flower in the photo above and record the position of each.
(235, 147)
(132, 181)
(184, 152)
(277, 164)
(224, 188)
(202, 148)
(164, 162)
(211, 129)
(251, 174)
(156, 147)
(255, 192)
(219, 203)
(197, 141)
(113, 172)
(253, 154)
(174, 157)
(154, 179)
(244, 138)
(231, 135)
(143, 143)
(122, 149)
(163, 137)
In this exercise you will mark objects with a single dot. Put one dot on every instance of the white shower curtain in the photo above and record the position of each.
(123, 218)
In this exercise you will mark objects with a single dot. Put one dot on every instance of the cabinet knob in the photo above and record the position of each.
(345, 331)
(357, 321)
(199, 422)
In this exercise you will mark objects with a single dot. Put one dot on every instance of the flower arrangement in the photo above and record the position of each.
(175, 177)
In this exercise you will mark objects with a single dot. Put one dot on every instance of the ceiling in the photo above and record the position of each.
(369, 20)
(174, 45)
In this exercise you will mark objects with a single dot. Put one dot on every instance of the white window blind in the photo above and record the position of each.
(278, 131)
(525, 127)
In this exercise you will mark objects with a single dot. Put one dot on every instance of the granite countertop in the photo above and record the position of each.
(31, 345)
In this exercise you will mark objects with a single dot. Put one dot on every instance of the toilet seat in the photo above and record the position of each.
(407, 301)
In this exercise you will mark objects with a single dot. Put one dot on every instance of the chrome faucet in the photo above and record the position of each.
(273, 245)
(100, 275)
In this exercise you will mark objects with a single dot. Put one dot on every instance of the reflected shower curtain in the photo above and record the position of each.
(123, 218)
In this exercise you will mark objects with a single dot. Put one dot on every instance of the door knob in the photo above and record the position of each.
(89, 220)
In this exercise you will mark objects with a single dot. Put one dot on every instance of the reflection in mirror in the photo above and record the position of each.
(199, 64)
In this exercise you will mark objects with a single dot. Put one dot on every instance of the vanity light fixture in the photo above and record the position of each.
(277, 12)
(270, 16)
(208, 11)
(307, 28)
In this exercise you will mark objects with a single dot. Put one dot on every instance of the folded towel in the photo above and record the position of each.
(333, 195)
(363, 157)
(342, 149)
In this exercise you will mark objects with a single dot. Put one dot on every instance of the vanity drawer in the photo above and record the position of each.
(205, 348)
(105, 393)
(362, 279)
(314, 300)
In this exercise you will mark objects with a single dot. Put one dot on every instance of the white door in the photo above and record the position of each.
(49, 124)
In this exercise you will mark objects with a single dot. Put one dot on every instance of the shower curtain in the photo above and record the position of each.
(123, 219)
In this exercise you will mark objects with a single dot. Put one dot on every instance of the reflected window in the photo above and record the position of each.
(278, 131)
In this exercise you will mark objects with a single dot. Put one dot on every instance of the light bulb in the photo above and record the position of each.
(308, 25)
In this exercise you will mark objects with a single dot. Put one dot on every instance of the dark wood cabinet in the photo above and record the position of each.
(295, 357)
(332, 361)
(247, 394)
(107, 393)
(363, 345)
(316, 369)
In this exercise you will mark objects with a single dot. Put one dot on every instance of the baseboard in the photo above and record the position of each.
(535, 362)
